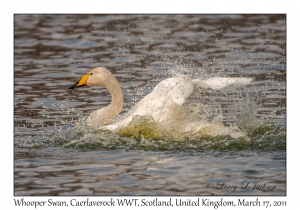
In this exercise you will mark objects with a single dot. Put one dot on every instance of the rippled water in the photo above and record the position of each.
(56, 155)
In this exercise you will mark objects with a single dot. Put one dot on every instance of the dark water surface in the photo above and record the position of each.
(54, 155)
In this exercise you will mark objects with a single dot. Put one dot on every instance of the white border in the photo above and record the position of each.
(8, 9)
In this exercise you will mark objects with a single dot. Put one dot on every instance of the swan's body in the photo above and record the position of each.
(159, 104)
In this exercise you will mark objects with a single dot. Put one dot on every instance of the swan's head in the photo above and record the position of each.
(95, 77)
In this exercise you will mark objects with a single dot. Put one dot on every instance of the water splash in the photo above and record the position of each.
(145, 134)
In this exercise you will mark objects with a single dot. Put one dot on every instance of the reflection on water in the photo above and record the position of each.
(56, 155)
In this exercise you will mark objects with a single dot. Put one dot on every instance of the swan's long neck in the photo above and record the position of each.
(106, 114)
(115, 90)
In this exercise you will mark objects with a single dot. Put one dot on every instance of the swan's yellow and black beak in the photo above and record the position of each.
(82, 82)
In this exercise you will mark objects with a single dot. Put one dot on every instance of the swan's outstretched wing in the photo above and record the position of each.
(221, 82)
(158, 104)
(172, 91)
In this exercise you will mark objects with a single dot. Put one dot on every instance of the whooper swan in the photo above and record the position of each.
(158, 104)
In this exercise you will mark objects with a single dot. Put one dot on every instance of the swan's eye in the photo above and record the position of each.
(91, 73)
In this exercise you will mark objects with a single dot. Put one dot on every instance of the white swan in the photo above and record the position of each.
(159, 105)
